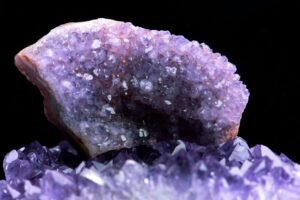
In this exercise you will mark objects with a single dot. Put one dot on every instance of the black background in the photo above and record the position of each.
(257, 36)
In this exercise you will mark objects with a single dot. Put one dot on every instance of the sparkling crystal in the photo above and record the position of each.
(167, 170)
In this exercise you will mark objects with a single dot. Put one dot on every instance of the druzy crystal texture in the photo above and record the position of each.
(112, 85)
(165, 171)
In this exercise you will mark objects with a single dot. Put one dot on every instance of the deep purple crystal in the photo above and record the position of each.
(171, 170)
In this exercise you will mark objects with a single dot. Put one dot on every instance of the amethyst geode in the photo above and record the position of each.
(113, 85)
(165, 171)
(173, 103)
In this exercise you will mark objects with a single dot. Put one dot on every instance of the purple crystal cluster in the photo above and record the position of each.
(113, 85)
(168, 170)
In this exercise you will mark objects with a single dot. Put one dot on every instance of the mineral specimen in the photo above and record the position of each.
(113, 85)
(168, 170)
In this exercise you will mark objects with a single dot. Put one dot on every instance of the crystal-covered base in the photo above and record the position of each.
(167, 171)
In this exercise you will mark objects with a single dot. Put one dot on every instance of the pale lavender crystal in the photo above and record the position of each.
(168, 170)
(113, 85)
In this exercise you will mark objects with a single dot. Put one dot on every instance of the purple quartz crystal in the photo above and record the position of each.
(172, 170)
(113, 85)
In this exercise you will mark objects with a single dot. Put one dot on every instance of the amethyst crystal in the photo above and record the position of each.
(171, 170)
(113, 85)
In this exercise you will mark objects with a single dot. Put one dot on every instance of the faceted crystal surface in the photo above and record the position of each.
(112, 85)
(168, 170)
